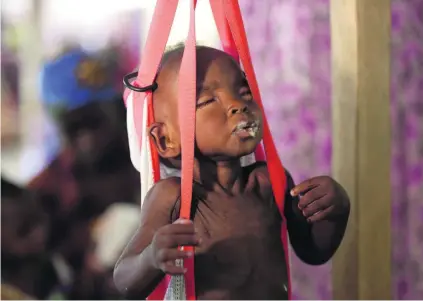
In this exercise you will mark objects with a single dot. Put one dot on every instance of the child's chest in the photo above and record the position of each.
(240, 245)
(221, 217)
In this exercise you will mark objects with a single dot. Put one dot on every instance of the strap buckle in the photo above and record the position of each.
(127, 83)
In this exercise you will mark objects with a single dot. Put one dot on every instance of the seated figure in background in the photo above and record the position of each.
(91, 172)
(73, 265)
(60, 264)
(24, 232)
(78, 92)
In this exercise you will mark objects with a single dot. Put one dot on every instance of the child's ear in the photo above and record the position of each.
(162, 141)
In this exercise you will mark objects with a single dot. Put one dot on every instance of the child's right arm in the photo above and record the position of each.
(152, 251)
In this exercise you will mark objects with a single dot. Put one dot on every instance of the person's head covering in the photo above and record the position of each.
(74, 79)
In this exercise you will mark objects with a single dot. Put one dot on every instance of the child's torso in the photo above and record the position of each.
(241, 254)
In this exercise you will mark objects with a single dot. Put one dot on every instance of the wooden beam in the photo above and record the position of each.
(360, 31)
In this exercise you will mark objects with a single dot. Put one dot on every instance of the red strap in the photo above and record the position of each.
(223, 28)
(155, 161)
(221, 14)
(226, 38)
(276, 169)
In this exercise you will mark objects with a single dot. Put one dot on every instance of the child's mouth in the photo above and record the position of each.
(246, 129)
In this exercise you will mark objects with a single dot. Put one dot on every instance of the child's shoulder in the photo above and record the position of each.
(167, 188)
(171, 183)
(163, 194)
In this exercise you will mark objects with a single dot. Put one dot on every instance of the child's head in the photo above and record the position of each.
(24, 226)
(228, 120)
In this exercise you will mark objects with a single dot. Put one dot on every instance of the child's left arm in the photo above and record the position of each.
(317, 212)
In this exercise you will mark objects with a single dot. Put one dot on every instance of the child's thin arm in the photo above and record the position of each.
(135, 275)
(314, 243)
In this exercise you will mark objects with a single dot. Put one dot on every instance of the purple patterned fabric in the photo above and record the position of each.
(407, 148)
(290, 45)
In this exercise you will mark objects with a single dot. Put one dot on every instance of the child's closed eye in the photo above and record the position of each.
(203, 103)
(245, 92)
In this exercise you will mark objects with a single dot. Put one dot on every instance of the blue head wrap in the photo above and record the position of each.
(75, 79)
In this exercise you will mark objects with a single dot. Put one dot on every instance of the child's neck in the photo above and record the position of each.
(220, 176)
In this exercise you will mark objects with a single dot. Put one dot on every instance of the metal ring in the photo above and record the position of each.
(130, 86)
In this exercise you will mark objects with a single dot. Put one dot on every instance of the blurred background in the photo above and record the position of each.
(69, 199)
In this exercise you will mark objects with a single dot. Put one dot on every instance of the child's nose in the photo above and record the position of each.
(237, 109)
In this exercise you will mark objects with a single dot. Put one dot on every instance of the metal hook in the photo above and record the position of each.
(128, 77)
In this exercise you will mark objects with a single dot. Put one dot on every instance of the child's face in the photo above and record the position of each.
(228, 120)
(24, 228)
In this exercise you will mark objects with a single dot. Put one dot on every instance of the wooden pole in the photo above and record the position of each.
(360, 31)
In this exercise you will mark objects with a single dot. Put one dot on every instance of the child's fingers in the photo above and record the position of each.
(183, 221)
(321, 215)
(178, 229)
(170, 255)
(311, 196)
(172, 269)
(181, 240)
(304, 187)
(316, 206)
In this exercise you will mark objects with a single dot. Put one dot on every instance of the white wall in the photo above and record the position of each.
(205, 27)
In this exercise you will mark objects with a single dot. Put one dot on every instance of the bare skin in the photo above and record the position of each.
(236, 224)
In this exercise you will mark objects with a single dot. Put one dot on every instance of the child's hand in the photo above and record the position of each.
(166, 242)
(321, 198)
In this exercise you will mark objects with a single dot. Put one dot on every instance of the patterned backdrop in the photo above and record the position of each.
(407, 160)
(293, 36)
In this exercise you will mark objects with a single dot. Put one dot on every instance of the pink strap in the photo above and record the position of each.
(162, 21)
(186, 112)
(187, 99)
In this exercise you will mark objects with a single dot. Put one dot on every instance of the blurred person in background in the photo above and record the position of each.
(92, 171)
(24, 233)
(74, 268)
(9, 95)
(78, 91)
(9, 116)
(56, 265)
